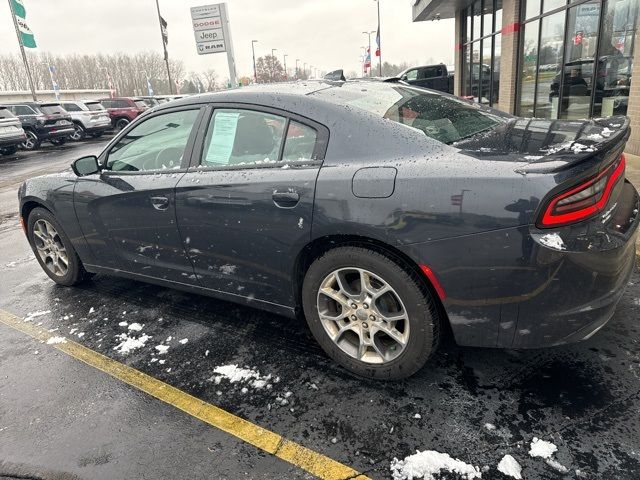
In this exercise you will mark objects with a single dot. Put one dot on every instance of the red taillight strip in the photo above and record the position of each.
(434, 281)
(549, 219)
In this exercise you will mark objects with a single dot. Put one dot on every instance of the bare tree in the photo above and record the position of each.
(269, 69)
(210, 79)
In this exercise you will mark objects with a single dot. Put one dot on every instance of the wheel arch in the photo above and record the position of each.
(319, 246)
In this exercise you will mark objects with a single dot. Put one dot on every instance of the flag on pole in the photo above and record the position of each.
(378, 42)
(367, 60)
(165, 33)
(149, 88)
(26, 35)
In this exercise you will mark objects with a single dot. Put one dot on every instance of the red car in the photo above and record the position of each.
(123, 110)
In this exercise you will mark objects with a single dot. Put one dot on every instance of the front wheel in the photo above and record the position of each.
(369, 314)
(9, 150)
(121, 123)
(53, 249)
(32, 142)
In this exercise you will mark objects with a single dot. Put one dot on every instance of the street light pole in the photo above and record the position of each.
(285, 67)
(304, 70)
(253, 51)
(297, 60)
(379, 41)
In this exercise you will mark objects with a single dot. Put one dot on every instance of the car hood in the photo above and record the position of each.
(546, 145)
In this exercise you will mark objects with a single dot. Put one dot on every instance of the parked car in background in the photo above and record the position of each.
(435, 77)
(42, 122)
(151, 101)
(123, 110)
(87, 121)
(11, 132)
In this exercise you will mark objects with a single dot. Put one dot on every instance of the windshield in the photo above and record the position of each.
(52, 110)
(97, 106)
(441, 117)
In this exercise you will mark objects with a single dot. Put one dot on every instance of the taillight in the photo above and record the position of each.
(584, 200)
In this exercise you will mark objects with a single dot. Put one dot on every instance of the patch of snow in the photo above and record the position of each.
(301, 223)
(31, 315)
(206, 354)
(123, 324)
(510, 467)
(129, 344)
(56, 340)
(235, 374)
(228, 269)
(162, 349)
(541, 448)
(533, 157)
(489, 426)
(417, 415)
(91, 310)
(136, 327)
(553, 241)
(184, 341)
(556, 465)
(429, 463)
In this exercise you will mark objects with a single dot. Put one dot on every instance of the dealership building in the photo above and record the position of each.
(557, 59)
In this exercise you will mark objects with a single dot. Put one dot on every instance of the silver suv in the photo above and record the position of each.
(11, 132)
(89, 118)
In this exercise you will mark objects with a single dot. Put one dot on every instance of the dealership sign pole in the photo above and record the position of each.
(213, 35)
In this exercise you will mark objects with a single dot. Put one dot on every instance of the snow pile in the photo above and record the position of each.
(56, 340)
(235, 374)
(228, 269)
(301, 222)
(129, 344)
(553, 241)
(510, 467)
(428, 463)
(162, 349)
(136, 327)
(542, 449)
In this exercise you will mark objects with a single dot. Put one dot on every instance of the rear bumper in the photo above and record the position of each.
(49, 133)
(507, 288)
(11, 140)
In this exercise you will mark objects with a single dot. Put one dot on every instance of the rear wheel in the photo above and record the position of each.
(369, 314)
(53, 250)
(121, 123)
(32, 142)
(9, 150)
(78, 133)
(58, 141)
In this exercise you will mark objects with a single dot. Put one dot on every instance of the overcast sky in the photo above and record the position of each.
(323, 33)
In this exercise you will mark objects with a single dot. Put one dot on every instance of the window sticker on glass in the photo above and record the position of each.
(223, 138)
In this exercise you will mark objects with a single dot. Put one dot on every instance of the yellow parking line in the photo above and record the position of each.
(313, 462)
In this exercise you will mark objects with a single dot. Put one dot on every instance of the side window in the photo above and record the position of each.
(412, 75)
(107, 103)
(300, 143)
(23, 110)
(155, 144)
(241, 137)
(121, 104)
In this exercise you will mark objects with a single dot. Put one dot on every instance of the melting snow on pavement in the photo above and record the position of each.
(235, 374)
(510, 467)
(31, 315)
(56, 340)
(553, 241)
(426, 464)
(129, 344)
(543, 449)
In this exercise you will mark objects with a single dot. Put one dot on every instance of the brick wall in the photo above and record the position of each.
(633, 112)
(509, 55)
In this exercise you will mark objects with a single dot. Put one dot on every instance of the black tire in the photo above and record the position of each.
(79, 133)
(423, 320)
(58, 141)
(32, 142)
(11, 150)
(121, 123)
(76, 272)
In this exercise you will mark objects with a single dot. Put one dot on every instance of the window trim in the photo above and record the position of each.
(319, 151)
(189, 148)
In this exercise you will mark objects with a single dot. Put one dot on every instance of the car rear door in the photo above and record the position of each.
(127, 212)
(244, 207)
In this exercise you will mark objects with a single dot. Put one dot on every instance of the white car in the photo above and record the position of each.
(89, 118)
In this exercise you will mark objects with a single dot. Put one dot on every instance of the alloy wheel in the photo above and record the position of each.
(77, 134)
(50, 248)
(30, 142)
(363, 315)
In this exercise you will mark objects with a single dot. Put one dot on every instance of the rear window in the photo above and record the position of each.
(5, 113)
(441, 117)
(71, 107)
(94, 106)
(52, 110)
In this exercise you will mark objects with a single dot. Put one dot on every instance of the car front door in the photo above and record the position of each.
(127, 211)
(245, 206)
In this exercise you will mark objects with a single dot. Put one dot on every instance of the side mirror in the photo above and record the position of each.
(403, 78)
(86, 166)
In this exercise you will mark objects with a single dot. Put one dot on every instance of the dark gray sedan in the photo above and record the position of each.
(388, 215)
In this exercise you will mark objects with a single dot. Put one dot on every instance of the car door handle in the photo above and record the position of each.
(286, 199)
(160, 203)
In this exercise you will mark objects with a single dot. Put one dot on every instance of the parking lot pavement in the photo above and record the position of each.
(476, 405)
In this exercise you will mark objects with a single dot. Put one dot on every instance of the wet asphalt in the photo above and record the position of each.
(60, 415)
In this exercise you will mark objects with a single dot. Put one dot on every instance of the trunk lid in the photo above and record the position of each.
(546, 146)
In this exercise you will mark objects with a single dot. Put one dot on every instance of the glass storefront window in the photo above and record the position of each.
(579, 58)
(550, 58)
(549, 5)
(532, 8)
(615, 60)
(485, 72)
(529, 68)
(498, 15)
(487, 16)
(477, 19)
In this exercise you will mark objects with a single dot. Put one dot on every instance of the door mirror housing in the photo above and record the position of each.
(86, 166)
(403, 78)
